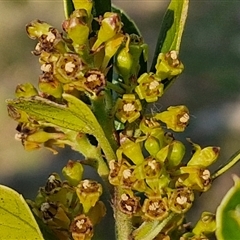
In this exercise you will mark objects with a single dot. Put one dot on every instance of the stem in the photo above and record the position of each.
(231, 162)
(123, 223)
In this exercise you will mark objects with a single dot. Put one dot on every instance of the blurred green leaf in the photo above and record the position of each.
(172, 28)
(16, 221)
(228, 214)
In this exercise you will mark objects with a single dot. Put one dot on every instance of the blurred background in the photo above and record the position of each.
(209, 86)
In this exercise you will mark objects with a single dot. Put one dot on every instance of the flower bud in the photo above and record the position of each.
(132, 150)
(25, 90)
(149, 88)
(206, 225)
(128, 108)
(73, 172)
(176, 118)
(168, 65)
(37, 28)
(77, 27)
(110, 26)
(88, 193)
(152, 145)
(203, 157)
(175, 154)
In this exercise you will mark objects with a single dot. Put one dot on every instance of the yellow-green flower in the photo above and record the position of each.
(150, 87)
(176, 117)
(128, 108)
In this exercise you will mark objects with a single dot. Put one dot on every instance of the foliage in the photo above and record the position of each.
(92, 96)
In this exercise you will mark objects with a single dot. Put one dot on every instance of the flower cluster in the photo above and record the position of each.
(146, 163)
(67, 207)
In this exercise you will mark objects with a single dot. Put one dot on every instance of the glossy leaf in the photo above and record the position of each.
(16, 221)
(228, 214)
(76, 116)
(172, 28)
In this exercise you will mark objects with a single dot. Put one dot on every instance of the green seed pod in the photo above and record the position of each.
(203, 157)
(149, 88)
(180, 200)
(73, 172)
(25, 90)
(77, 27)
(49, 85)
(124, 63)
(110, 26)
(168, 65)
(176, 118)
(155, 208)
(175, 154)
(152, 145)
(206, 225)
(128, 108)
(88, 192)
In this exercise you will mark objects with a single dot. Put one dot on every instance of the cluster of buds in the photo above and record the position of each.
(70, 208)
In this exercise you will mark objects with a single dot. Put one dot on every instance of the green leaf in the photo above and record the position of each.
(228, 214)
(68, 7)
(17, 220)
(172, 28)
(129, 26)
(75, 115)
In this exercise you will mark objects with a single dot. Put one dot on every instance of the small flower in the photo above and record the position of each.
(77, 27)
(53, 184)
(110, 26)
(180, 200)
(176, 118)
(168, 65)
(128, 108)
(129, 204)
(94, 82)
(195, 178)
(149, 88)
(81, 228)
(69, 67)
(155, 208)
(88, 192)
(73, 172)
